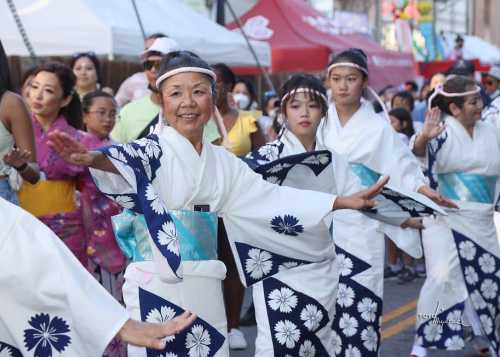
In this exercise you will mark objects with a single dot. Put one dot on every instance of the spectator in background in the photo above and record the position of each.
(244, 95)
(17, 144)
(55, 106)
(106, 261)
(402, 122)
(458, 51)
(270, 108)
(404, 100)
(87, 69)
(412, 88)
(137, 117)
(491, 82)
(137, 85)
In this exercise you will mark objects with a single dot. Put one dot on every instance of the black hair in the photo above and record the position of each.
(181, 59)
(227, 76)
(405, 96)
(28, 73)
(93, 58)
(155, 36)
(404, 116)
(5, 82)
(462, 68)
(455, 84)
(251, 91)
(266, 101)
(72, 112)
(352, 55)
(311, 83)
(88, 99)
(413, 85)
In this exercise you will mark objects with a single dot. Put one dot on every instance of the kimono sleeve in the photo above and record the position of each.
(139, 164)
(273, 225)
(49, 287)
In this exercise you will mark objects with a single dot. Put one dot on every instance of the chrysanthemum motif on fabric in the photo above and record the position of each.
(287, 224)
(46, 334)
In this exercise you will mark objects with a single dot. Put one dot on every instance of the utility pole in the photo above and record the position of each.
(220, 17)
(378, 21)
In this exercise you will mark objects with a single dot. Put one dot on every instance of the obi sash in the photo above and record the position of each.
(460, 186)
(196, 232)
(48, 197)
(367, 176)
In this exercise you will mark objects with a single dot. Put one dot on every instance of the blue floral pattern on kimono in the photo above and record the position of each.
(294, 319)
(8, 350)
(356, 325)
(46, 333)
(143, 156)
(200, 339)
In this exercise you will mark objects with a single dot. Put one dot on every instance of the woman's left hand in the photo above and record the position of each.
(436, 197)
(17, 158)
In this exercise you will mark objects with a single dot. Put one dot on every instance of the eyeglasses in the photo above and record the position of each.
(149, 65)
(103, 114)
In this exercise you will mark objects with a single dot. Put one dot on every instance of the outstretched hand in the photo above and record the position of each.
(69, 149)
(433, 126)
(152, 335)
(362, 199)
(17, 157)
(436, 197)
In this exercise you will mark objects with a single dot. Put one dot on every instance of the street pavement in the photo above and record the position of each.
(398, 326)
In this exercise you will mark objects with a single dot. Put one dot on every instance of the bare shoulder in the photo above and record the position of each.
(12, 99)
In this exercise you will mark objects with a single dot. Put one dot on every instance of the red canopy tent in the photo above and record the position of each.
(302, 39)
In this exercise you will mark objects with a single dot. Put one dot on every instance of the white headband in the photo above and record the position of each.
(304, 90)
(439, 90)
(173, 72)
(347, 64)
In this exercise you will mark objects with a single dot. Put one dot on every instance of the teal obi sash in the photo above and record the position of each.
(196, 232)
(468, 187)
(367, 176)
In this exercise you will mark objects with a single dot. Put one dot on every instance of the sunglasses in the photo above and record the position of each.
(149, 65)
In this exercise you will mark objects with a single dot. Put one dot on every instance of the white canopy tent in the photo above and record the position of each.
(110, 27)
(474, 47)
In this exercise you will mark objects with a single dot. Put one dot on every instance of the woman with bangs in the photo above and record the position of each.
(461, 250)
(373, 149)
(181, 184)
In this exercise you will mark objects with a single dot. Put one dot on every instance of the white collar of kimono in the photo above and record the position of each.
(173, 72)
(439, 90)
(304, 90)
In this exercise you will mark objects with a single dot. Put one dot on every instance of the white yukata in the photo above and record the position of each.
(462, 251)
(309, 291)
(372, 148)
(49, 304)
(162, 173)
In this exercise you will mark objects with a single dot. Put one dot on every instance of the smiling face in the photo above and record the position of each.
(101, 117)
(471, 109)
(46, 95)
(347, 85)
(303, 115)
(86, 74)
(187, 103)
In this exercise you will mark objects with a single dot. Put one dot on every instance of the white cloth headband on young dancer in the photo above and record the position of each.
(439, 90)
(347, 64)
(173, 72)
(304, 90)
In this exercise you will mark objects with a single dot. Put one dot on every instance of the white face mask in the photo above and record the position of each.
(242, 100)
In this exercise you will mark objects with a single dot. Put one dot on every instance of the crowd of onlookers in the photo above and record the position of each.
(72, 98)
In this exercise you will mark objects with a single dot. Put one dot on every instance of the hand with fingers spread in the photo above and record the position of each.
(152, 335)
(17, 158)
(69, 149)
(437, 197)
(362, 199)
(433, 125)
